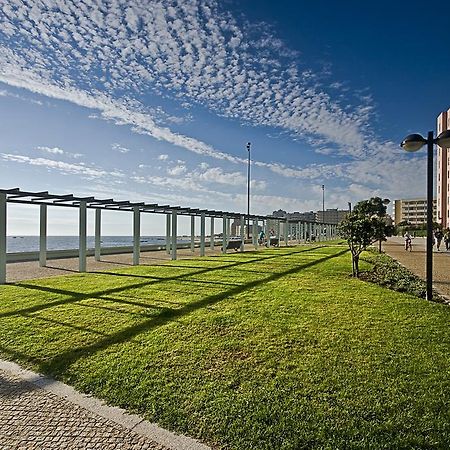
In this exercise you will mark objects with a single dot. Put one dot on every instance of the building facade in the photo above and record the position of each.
(413, 211)
(333, 216)
(443, 174)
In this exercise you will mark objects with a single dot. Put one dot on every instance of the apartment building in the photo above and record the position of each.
(414, 211)
(443, 175)
(334, 216)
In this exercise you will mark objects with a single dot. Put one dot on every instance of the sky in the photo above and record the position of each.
(156, 101)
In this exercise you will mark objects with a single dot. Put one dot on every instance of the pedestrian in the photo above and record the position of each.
(261, 237)
(438, 237)
(407, 238)
(447, 239)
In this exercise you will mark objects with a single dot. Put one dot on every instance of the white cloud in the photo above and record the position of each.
(63, 167)
(194, 51)
(54, 150)
(120, 148)
(177, 170)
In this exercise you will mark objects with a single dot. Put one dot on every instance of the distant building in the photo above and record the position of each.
(413, 211)
(443, 175)
(309, 216)
(333, 216)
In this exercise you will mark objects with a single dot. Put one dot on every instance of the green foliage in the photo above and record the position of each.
(374, 206)
(365, 225)
(389, 273)
(276, 349)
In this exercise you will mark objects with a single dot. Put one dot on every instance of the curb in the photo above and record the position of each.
(131, 422)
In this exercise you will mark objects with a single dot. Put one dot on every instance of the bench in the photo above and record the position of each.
(274, 241)
(234, 244)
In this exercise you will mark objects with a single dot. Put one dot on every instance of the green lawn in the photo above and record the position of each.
(276, 349)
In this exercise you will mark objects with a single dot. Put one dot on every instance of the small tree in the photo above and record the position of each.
(376, 207)
(364, 226)
(358, 230)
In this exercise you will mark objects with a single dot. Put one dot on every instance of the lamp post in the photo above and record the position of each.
(412, 143)
(323, 203)
(248, 191)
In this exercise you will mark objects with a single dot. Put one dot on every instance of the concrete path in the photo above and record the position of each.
(29, 270)
(416, 259)
(37, 412)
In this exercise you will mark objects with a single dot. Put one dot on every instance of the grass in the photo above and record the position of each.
(278, 349)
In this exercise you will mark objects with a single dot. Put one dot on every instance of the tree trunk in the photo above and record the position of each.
(379, 246)
(356, 266)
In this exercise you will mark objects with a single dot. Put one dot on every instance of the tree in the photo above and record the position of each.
(365, 225)
(376, 208)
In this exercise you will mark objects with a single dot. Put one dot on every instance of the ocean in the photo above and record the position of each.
(31, 243)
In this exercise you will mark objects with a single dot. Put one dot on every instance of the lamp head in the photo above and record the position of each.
(443, 140)
(413, 142)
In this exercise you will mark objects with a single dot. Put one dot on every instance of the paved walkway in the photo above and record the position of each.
(416, 261)
(19, 271)
(37, 412)
(29, 270)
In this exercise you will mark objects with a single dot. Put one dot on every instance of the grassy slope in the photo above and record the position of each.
(276, 349)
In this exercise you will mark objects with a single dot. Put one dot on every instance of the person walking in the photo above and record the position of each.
(438, 237)
(408, 244)
(447, 239)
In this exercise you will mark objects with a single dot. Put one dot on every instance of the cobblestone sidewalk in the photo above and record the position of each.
(32, 418)
(415, 261)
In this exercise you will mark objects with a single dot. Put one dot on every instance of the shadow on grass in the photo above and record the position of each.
(61, 362)
(77, 296)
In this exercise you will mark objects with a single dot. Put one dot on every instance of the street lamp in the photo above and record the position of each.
(248, 191)
(323, 202)
(412, 143)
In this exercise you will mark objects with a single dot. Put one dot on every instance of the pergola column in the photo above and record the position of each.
(2, 238)
(242, 229)
(42, 235)
(211, 242)
(286, 232)
(98, 233)
(278, 232)
(82, 230)
(202, 234)
(136, 235)
(174, 235)
(224, 234)
(255, 234)
(168, 234)
(192, 234)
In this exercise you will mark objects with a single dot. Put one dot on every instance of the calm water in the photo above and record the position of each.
(31, 243)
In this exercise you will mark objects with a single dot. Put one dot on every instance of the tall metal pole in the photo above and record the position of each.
(429, 270)
(323, 203)
(248, 191)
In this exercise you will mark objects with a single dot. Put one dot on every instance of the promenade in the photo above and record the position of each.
(415, 261)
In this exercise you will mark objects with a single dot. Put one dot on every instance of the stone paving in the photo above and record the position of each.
(31, 418)
(416, 261)
(19, 271)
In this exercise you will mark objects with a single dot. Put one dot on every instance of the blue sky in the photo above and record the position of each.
(156, 101)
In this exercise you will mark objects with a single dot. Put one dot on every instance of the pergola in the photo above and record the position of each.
(45, 199)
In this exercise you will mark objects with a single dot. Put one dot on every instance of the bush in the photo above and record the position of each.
(389, 273)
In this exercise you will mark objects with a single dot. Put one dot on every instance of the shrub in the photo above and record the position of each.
(389, 273)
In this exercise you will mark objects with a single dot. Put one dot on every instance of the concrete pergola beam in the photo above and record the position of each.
(174, 235)
(98, 233)
(82, 232)
(136, 235)
(168, 234)
(202, 234)
(3, 212)
(42, 235)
